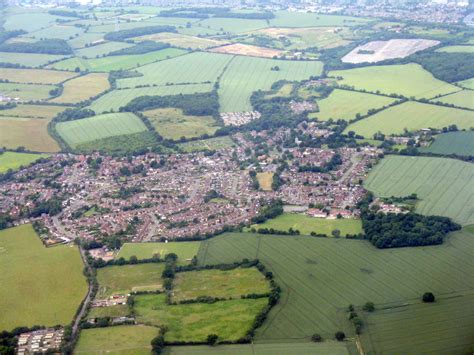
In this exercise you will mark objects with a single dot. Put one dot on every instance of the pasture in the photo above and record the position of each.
(123, 340)
(13, 160)
(101, 49)
(171, 123)
(306, 224)
(444, 186)
(39, 285)
(463, 98)
(83, 88)
(412, 116)
(98, 127)
(185, 250)
(320, 277)
(247, 74)
(459, 143)
(265, 180)
(35, 76)
(407, 80)
(110, 311)
(346, 105)
(119, 280)
(468, 84)
(26, 92)
(207, 144)
(33, 111)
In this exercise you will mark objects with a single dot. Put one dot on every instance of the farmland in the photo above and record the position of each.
(35, 76)
(444, 186)
(36, 280)
(101, 49)
(301, 19)
(185, 250)
(463, 98)
(459, 143)
(207, 144)
(182, 41)
(457, 49)
(13, 160)
(248, 50)
(306, 224)
(97, 127)
(32, 111)
(26, 92)
(412, 116)
(468, 84)
(83, 88)
(31, 60)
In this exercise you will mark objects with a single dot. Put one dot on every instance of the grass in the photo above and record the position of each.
(207, 144)
(35, 76)
(459, 143)
(468, 84)
(185, 250)
(284, 91)
(247, 74)
(344, 104)
(463, 98)
(30, 59)
(171, 123)
(39, 285)
(29, 21)
(26, 92)
(320, 277)
(456, 49)
(29, 133)
(302, 19)
(412, 116)
(101, 49)
(182, 41)
(219, 283)
(123, 340)
(123, 144)
(111, 311)
(408, 80)
(83, 88)
(33, 111)
(306, 224)
(194, 322)
(124, 279)
(97, 127)
(443, 185)
(58, 31)
(265, 180)
(13, 160)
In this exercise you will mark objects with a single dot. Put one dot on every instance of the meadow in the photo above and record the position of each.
(13, 160)
(26, 92)
(412, 116)
(459, 143)
(39, 285)
(35, 76)
(463, 98)
(344, 104)
(444, 186)
(97, 127)
(83, 88)
(407, 80)
(207, 144)
(33, 111)
(184, 250)
(127, 278)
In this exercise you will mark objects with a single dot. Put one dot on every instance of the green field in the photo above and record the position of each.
(320, 277)
(110, 311)
(185, 250)
(468, 84)
(30, 59)
(13, 160)
(181, 41)
(83, 88)
(219, 283)
(459, 143)
(26, 92)
(412, 116)
(126, 278)
(97, 127)
(101, 49)
(35, 76)
(306, 224)
(39, 285)
(207, 144)
(248, 74)
(33, 111)
(344, 104)
(456, 49)
(444, 186)
(194, 322)
(122, 144)
(408, 80)
(120, 340)
(29, 21)
(303, 19)
(463, 98)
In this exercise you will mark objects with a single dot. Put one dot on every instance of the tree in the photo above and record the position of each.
(212, 339)
(316, 338)
(340, 336)
(336, 233)
(428, 297)
(369, 307)
(133, 259)
(157, 344)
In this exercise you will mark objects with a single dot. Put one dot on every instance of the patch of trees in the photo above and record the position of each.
(332, 164)
(66, 13)
(51, 207)
(136, 32)
(46, 46)
(122, 74)
(6, 35)
(141, 48)
(7, 106)
(272, 210)
(72, 114)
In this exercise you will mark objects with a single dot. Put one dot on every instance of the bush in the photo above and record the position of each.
(428, 297)
(369, 307)
(316, 338)
(340, 336)
(212, 339)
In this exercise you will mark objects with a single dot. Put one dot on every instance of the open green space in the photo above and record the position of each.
(182, 41)
(457, 49)
(412, 116)
(463, 98)
(444, 186)
(83, 88)
(29, 60)
(110, 311)
(459, 143)
(207, 144)
(184, 250)
(26, 92)
(13, 160)
(39, 285)
(101, 49)
(33, 111)
(468, 84)
(29, 21)
(35, 76)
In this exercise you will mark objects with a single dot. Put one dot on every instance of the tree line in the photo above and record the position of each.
(136, 32)
(46, 46)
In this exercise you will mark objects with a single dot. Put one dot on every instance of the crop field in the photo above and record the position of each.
(412, 116)
(29, 21)
(456, 49)
(463, 98)
(344, 104)
(171, 123)
(459, 143)
(33, 111)
(39, 285)
(58, 31)
(444, 186)
(29, 133)
(85, 39)
(180, 70)
(306, 224)
(13, 160)
(97, 127)
(26, 92)
(185, 250)
(119, 144)
(233, 25)
(30, 60)
(35, 76)
(230, 320)
(238, 82)
(83, 88)
(468, 84)
(117, 98)
(207, 144)
(320, 277)
(302, 19)
(408, 80)
(284, 91)
(182, 41)
(126, 278)
(123, 340)
(101, 49)
(265, 180)
(248, 50)
(219, 283)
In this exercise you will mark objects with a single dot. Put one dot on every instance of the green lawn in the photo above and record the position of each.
(463, 98)
(185, 250)
(459, 143)
(13, 160)
(39, 285)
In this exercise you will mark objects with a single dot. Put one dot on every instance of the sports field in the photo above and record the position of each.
(412, 116)
(83, 88)
(408, 80)
(185, 250)
(35, 76)
(126, 278)
(459, 143)
(39, 285)
(463, 98)
(456, 49)
(26, 92)
(247, 74)
(207, 144)
(13, 160)
(33, 111)
(444, 186)
(97, 127)
(344, 104)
